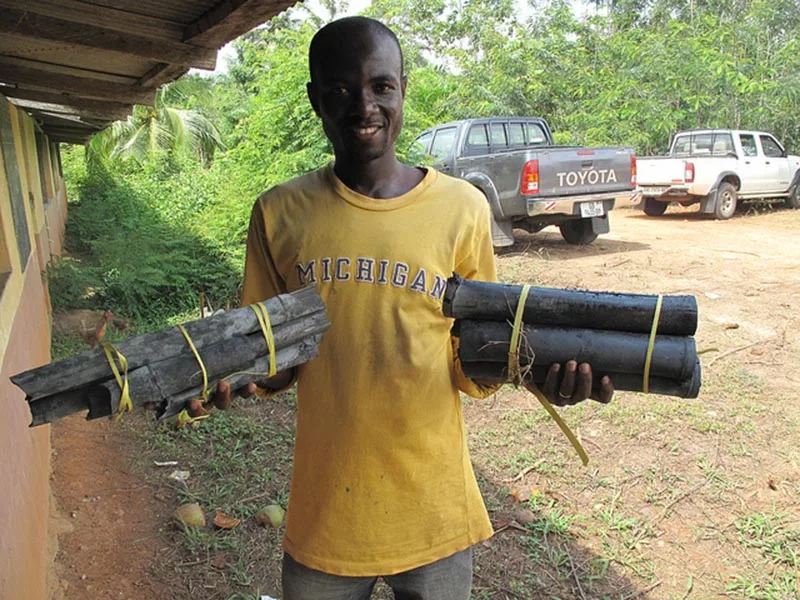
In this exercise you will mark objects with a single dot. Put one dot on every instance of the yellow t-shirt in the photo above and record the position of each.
(382, 480)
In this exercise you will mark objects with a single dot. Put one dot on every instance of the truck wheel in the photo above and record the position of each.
(578, 232)
(654, 208)
(726, 201)
(793, 201)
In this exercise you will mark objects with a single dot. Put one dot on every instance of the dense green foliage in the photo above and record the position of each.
(155, 229)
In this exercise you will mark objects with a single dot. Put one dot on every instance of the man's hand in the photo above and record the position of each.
(572, 384)
(222, 398)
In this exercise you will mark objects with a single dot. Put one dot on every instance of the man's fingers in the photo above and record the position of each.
(551, 384)
(567, 388)
(222, 396)
(606, 390)
(583, 389)
(195, 408)
(246, 391)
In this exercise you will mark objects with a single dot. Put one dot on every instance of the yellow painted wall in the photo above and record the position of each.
(25, 344)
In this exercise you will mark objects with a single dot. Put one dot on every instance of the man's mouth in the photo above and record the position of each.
(365, 132)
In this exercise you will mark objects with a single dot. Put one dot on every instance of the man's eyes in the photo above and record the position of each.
(379, 88)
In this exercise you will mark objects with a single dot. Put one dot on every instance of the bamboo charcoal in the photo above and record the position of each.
(687, 388)
(607, 351)
(87, 368)
(469, 299)
(287, 358)
(167, 372)
(103, 399)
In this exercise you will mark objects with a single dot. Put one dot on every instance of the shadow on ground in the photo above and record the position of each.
(549, 245)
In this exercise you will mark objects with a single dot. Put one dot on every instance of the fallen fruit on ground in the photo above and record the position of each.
(190, 515)
(224, 521)
(271, 515)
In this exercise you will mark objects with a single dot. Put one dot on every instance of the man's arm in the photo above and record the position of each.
(261, 282)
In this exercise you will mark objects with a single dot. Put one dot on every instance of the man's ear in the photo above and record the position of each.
(403, 83)
(311, 90)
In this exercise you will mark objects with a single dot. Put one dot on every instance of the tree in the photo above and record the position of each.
(163, 127)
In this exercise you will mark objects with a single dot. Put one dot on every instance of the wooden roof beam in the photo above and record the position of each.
(58, 109)
(100, 108)
(67, 121)
(29, 24)
(231, 18)
(222, 23)
(16, 74)
(67, 138)
(88, 13)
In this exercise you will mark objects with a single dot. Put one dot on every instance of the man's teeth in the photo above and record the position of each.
(366, 130)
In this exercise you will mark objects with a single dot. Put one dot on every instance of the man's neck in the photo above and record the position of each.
(382, 179)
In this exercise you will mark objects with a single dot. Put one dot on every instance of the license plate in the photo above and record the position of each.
(592, 209)
(655, 191)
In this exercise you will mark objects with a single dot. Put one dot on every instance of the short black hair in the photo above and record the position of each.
(343, 28)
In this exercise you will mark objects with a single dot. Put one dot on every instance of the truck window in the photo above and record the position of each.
(516, 134)
(442, 145)
(477, 141)
(498, 135)
(704, 144)
(701, 144)
(771, 147)
(682, 146)
(423, 141)
(536, 135)
(748, 142)
(722, 144)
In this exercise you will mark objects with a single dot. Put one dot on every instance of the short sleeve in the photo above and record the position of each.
(261, 277)
(478, 263)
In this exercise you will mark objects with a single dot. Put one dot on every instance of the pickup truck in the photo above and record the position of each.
(718, 168)
(530, 182)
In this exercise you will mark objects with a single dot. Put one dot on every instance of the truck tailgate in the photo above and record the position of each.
(574, 171)
(660, 170)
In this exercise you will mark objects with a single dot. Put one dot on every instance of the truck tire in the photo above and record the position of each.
(578, 232)
(793, 201)
(654, 208)
(725, 206)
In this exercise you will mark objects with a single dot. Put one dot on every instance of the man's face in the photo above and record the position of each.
(358, 91)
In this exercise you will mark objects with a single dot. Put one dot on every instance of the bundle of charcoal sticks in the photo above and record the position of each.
(609, 331)
(171, 367)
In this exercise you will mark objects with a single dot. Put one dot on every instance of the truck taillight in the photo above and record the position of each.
(633, 169)
(688, 174)
(530, 178)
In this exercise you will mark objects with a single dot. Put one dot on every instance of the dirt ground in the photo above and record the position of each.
(682, 499)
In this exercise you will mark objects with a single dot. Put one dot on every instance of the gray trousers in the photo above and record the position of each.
(446, 579)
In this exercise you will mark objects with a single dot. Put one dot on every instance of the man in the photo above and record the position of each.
(382, 482)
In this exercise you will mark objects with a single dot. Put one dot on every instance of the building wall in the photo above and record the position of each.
(24, 344)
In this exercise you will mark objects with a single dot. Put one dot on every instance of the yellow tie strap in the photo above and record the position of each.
(184, 418)
(185, 333)
(266, 328)
(514, 370)
(515, 374)
(125, 403)
(651, 344)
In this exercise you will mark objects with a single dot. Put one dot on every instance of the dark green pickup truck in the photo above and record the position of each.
(530, 182)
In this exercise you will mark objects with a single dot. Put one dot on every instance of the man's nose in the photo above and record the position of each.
(364, 103)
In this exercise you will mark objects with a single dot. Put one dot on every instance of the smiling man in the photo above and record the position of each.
(382, 482)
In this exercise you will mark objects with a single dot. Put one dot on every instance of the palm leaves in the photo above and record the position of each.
(171, 125)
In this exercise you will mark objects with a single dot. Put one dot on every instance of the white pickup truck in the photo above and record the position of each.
(718, 168)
